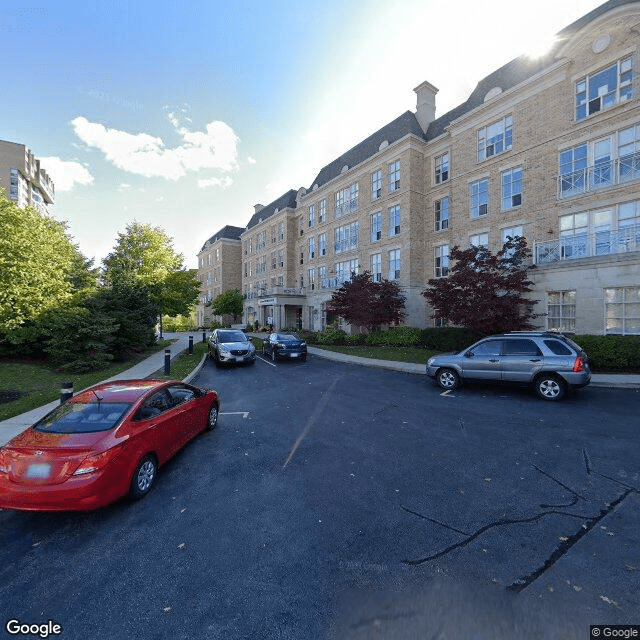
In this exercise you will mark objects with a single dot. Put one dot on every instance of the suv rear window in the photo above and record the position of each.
(558, 348)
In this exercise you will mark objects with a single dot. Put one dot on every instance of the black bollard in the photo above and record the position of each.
(204, 336)
(167, 361)
(66, 391)
(190, 345)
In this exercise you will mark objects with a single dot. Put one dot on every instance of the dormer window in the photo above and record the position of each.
(604, 89)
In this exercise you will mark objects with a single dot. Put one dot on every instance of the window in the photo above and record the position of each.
(488, 348)
(376, 185)
(442, 168)
(322, 244)
(281, 231)
(376, 226)
(322, 277)
(312, 278)
(261, 242)
(346, 201)
(520, 347)
(441, 209)
(312, 248)
(261, 264)
(629, 153)
(273, 260)
(512, 188)
(495, 138)
(561, 310)
(376, 267)
(573, 167)
(344, 270)
(514, 232)
(394, 264)
(312, 215)
(394, 176)
(604, 89)
(479, 192)
(622, 310)
(281, 258)
(394, 221)
(322, 214)
(346, 237)
(479, 240)
(301, 220)
(442, 260)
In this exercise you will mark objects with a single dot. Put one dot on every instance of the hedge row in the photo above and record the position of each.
(606, 353)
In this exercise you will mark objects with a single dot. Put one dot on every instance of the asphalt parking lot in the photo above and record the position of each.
(340, 501)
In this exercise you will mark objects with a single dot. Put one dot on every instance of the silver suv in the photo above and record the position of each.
(548, 361)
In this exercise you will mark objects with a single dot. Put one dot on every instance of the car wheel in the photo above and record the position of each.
(549, 387)
(143, 477)
(216, 359)
(212, 418)
(448, 379)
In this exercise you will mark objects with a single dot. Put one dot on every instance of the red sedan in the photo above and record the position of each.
(102, 444)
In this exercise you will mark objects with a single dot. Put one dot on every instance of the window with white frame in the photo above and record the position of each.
(479, 198)
(511, 188)
(261, 264)
(394, 220)
(441, 209)
(322, 277)
(322, 244)
(262, 241)
(376, 226)
(346, 201)
(394, 176)
(605, 88)
(376, 185)
(376, 267)
(629, 153)
(622, 311)
(281, 231)
(441, 254)
(281, 258)
(442, 168)
(312, 278)
(495, 139)
(273, 259)
(479, 240)
(394, 264)
(344, 270)
(561, 310)
(312, 215)
(346, 237)
(312, 248)
(513, 232)
(322, 213)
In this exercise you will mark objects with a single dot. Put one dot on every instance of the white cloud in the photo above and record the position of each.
(251, 160)
(66, 174)
(215, 182)
(147, 155)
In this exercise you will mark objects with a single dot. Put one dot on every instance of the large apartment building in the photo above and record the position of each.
(545, 148)
(24, 181)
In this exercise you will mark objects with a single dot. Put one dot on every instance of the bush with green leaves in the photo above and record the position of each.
(332, 335)
(448, 338)
(395, 337)
(611, 353)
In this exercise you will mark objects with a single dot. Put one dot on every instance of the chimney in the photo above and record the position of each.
(257, 207)
(426, 104)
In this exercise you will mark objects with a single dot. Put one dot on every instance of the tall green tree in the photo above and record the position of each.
(485, 291)
(40, 267)
(228, 303)
(144, 256)
(365, 303)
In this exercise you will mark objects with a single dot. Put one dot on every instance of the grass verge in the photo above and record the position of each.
(399, 354)
(36, 384)
(184, 364)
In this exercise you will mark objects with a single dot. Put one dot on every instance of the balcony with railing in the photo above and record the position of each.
(587, 245)
(599, 176)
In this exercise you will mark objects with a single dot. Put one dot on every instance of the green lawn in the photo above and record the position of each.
(399, 354)
(184, 364)
(37, 384)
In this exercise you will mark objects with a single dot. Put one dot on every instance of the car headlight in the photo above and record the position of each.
(429, 362)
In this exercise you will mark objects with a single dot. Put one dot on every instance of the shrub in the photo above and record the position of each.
(332, 335)
(621, 353)
(448, 338)
(356, 339)
(395, 337)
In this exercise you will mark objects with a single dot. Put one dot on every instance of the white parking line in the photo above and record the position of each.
(266, 361)
(244, 414)
(446, 393)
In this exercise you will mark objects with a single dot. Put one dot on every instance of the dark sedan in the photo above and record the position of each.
(284, 345)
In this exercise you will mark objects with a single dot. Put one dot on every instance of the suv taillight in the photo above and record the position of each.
(578, 365)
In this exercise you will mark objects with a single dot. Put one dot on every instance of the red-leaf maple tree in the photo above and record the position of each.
(365, 303)
(485, 291)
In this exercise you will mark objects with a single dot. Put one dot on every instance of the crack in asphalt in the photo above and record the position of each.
(566, 544)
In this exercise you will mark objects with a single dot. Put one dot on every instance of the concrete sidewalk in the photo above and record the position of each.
(13, 426)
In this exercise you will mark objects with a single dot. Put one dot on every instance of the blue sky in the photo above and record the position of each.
(185, 115)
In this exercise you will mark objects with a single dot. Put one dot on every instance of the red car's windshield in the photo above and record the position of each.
(78, 417)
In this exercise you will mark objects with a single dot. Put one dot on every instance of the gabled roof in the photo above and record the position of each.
(228, 233)
(286, 201)
(400, 127)
(518, 70)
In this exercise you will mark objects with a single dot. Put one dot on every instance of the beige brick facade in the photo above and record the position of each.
(547, 148)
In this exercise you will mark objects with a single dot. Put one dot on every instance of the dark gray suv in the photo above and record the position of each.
(548, 361)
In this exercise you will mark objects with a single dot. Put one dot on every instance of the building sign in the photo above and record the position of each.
(266, 302)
